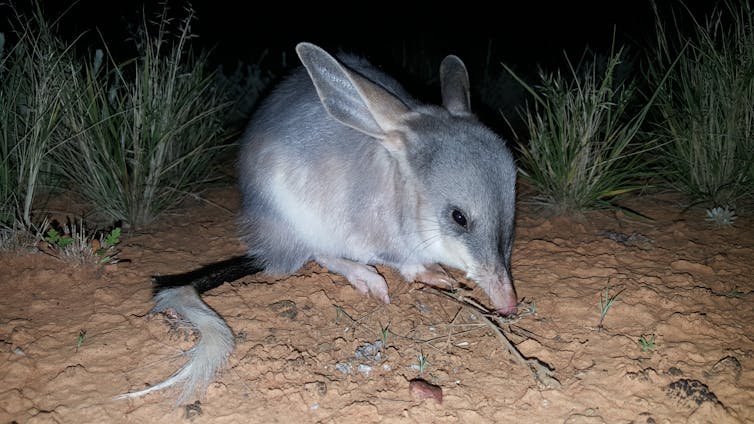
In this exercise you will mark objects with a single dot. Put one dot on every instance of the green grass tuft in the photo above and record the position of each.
(706, 110)
(580, 152)
(148, 129)
(35, 74)
(606, 303)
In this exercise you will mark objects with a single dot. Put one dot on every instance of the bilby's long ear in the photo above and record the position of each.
(348, 96)
(454, 82)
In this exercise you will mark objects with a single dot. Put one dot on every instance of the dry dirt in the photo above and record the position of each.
(301, 357)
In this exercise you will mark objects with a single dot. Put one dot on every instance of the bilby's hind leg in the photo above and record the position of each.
(363, 278)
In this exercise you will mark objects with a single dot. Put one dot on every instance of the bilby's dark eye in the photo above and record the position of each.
(459, 218)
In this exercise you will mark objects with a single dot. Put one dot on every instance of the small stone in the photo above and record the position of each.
(421, 389)
(691, 267)
(675, 371)
(364, 369)
(343, 367)
(688, 391)
(285, 308)
(316, 387)
(728, 365)
(193, 410)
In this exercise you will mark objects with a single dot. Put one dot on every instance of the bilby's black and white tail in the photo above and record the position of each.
(180, 293)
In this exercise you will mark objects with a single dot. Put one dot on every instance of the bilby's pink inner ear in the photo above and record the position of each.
(349, 97)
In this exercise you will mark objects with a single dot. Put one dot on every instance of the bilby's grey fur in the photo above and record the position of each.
(341, 166)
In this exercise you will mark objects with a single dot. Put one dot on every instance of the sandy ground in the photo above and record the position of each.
(303, 354)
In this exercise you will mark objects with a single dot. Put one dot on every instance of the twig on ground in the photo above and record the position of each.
(540, 372)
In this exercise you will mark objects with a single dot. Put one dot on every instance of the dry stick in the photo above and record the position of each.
(450, 329)
(357, 322)
(540, 372)
(447, 338)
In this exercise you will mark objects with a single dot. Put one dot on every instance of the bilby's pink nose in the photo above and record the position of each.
(507, 304)
(508, 310)
(502, 294)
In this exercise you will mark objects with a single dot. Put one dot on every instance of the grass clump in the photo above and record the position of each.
(706, 110)
(580, 152)
(35, 76)
(133, 138)
(147, 130)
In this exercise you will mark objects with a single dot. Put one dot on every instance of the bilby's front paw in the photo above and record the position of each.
(363, 278)
(369, 282)
(432, 275)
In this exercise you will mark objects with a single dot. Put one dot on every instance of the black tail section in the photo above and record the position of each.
(210, 276)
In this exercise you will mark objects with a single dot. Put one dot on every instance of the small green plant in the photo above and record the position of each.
(59, 241)
(71, 243)
(735, 293)
(384, 331)
(80, 339)
(527, 307)
(423, 362)
(106, 250)
(532, 308)
(606, 302)
(647, 344)
(721, 216)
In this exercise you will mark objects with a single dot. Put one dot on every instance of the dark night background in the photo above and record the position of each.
(519, 33)
(407, 39)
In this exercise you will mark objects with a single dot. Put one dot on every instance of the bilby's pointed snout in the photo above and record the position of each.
(499, 287)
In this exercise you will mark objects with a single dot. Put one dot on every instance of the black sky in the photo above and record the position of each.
(518, 33)
(407, 39)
